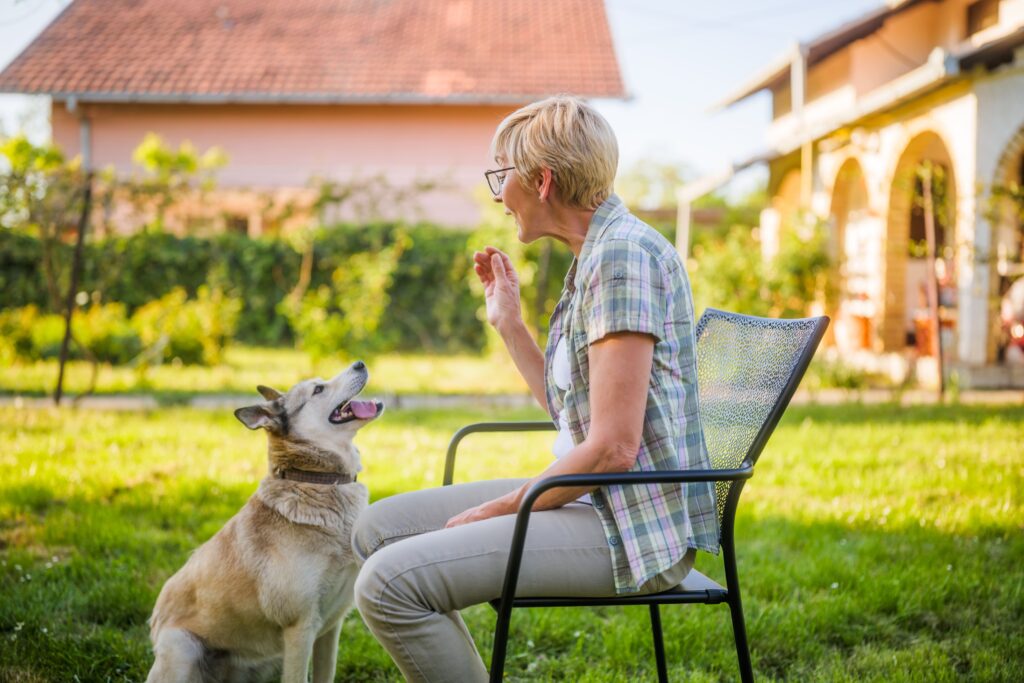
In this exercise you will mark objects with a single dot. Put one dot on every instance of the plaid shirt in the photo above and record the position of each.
(630, 278)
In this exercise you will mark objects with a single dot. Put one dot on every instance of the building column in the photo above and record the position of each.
(972, 262)
(769, 231)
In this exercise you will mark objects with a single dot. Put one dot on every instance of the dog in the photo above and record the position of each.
(268, 592)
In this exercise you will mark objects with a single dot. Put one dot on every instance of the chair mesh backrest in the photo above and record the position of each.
(744, 367)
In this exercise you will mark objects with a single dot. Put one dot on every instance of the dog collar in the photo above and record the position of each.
(310, 477)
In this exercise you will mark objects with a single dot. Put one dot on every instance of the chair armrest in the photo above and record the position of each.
(569, 480)
(453, 445)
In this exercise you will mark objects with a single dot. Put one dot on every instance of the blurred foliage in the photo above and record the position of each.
(41, 192)
(41, 196)
(728, 271)
(430, 306)
(192, 331)
(345, 313)
(368, 286)
(802, 273)
(168, 174)
(173, 328)
(729, 274)
(100, 333)
(651, 184)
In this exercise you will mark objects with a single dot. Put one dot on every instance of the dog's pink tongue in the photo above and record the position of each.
(363, 409)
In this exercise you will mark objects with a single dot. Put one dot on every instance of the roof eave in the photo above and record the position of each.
(818, 49)
(776, 70)
(940, 70)
(993, 53)
(295, 99)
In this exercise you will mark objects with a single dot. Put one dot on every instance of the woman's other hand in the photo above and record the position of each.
(492, 508)
(501, 287)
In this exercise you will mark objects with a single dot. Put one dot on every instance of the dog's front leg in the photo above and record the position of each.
(325, 655)
(298, 646)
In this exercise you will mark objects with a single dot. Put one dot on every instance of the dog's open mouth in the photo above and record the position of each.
(355, 410)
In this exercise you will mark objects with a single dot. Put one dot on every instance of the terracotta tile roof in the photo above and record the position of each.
(321, 51)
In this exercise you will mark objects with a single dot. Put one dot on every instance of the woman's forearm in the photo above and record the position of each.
(589, 457)
(528, 358)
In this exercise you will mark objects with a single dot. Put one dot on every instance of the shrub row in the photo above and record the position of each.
(172, 328)
(430, 304)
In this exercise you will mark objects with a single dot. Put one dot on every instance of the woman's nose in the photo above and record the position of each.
(497, 199)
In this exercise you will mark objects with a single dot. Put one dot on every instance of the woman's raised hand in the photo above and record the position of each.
(501, 287)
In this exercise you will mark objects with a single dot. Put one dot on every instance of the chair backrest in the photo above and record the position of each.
(747, 371)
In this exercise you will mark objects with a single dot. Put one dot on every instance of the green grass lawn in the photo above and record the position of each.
(875, 544)
(245, 367)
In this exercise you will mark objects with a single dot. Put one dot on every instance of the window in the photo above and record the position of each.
(981, 15)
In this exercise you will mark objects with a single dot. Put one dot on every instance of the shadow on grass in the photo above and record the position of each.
(824, 600)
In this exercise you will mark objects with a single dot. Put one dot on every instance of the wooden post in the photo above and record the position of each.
(76, 268)
(933, 285)
(684, 215)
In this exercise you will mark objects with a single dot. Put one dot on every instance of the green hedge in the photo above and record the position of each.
(21, 276)
(431, 304)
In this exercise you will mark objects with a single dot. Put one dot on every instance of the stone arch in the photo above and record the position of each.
(849, 196)
(1008, 237)
(902, 273)
(854, 247)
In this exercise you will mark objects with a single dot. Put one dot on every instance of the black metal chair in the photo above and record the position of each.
(747, 369)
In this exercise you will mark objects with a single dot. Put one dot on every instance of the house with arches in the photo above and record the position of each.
(905, 122)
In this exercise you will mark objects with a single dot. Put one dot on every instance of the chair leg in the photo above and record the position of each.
(739, 631)
(732, 583)
(659, 645)
(500, 644)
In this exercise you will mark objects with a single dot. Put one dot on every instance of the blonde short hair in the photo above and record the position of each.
(568, 136)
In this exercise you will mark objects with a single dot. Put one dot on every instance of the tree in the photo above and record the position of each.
(41, 193)
(168, 175)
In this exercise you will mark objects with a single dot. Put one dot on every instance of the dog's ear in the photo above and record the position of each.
(263, 415)
(268, 393)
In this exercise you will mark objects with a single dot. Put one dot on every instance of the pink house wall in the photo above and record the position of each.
(272, 146)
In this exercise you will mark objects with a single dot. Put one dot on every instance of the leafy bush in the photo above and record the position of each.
(191, 331)
(827, 372)
(259, 273)
(21, 278)
(346, 313)
(100, 331)
(432, 301)
(16, 327)
(105, 331)
(801, 273)
(731, 273)
(430, 304)
(139, 268)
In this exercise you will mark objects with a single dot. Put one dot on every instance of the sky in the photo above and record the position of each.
(678, 58)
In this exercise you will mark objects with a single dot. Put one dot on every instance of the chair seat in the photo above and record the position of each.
(695, 588)
(695, 581)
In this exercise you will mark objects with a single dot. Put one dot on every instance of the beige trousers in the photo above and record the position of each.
(416, 574)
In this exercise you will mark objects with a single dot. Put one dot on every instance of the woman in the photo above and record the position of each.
(618, 377)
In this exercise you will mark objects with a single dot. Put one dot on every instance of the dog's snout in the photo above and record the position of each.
(359, 365)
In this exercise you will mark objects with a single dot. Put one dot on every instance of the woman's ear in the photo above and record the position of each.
(545, 184)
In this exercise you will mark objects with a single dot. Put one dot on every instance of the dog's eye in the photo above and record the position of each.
(317, 389)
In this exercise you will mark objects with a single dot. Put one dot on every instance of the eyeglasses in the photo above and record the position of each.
(496, 179)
